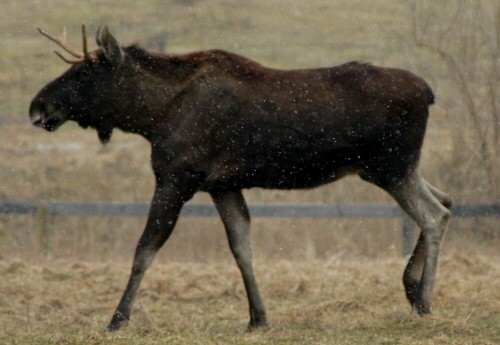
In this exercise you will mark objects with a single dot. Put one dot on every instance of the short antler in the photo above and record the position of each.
(85, 49)
(61, 41)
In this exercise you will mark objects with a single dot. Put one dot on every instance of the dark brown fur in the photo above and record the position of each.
(219, 122)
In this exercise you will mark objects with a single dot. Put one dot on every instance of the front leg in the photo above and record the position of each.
(234, 213)
(165, 208)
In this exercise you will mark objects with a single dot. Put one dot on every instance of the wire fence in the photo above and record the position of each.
(44, 209)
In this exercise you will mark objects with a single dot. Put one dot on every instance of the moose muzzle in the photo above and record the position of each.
(45, 115)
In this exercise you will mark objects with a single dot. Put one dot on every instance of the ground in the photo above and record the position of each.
(331, 301)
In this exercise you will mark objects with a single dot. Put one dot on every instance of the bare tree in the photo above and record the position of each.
(465, 35)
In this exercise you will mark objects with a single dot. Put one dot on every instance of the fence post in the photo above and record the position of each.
(407, 235)
(43, 231)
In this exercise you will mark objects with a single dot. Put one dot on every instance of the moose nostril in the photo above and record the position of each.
(37, 108)
(36, 117)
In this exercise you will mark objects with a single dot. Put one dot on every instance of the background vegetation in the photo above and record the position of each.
(454, 45)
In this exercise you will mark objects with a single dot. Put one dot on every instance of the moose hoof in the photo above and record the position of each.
(421, 308)
(118, 321)
(257, 324)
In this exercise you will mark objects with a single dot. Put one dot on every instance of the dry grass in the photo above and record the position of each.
(315, 302)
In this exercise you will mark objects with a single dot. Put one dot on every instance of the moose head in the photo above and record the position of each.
(86, 92)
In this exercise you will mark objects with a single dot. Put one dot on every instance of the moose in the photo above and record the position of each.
(219, 122)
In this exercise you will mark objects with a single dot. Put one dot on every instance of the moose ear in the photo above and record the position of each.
(109, 45)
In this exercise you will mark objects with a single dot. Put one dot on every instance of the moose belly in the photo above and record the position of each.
(296, 170)
(299, 176)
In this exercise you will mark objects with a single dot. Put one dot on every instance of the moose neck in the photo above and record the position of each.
(154, 81)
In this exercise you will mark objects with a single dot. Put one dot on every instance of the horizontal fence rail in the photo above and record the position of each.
(114, 209)
(138, 209)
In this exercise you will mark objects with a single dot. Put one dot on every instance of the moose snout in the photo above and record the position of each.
(37, 109)
(45, 115)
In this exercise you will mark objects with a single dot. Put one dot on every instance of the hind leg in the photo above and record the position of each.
(419, 202)
(413, 271)
(442, 197)
(414, 268)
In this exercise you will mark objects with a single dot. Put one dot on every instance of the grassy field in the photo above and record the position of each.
(334, 301)
(337, 282)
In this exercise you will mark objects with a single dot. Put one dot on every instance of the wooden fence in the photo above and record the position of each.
(42, 209)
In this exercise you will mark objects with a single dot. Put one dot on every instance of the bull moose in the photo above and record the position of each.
(219, 122)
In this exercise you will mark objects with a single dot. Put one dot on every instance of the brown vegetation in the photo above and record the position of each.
(315, 302)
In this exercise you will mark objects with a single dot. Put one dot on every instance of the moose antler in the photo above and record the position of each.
(85, 49)
(61, 41)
